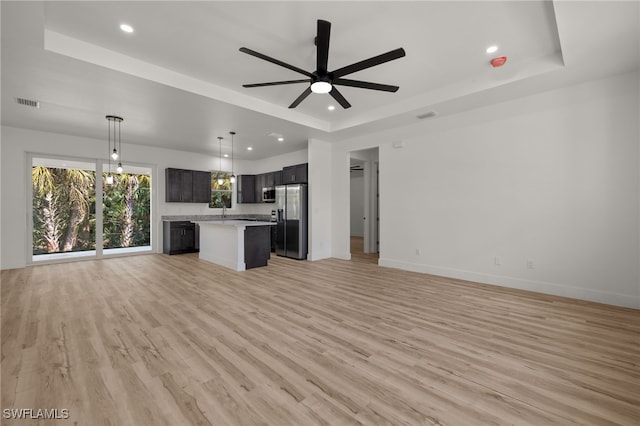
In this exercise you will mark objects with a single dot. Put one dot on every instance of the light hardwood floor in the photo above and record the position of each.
(358, 254)
(174, 340)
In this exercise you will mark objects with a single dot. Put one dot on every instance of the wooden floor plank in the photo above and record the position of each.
(174, 340)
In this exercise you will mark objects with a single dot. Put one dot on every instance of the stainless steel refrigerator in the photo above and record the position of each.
(291, 221)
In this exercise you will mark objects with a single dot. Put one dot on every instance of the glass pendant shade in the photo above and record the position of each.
(232, 179)
(119, 169)
(114, 154)
(109, 180)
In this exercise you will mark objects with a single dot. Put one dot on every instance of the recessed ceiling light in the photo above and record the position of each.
(492, 49)
(280, 139)
(226, 155)
(249, 148)
(126, 28)
(331, 107)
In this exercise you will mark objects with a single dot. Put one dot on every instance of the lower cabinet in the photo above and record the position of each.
(257, 246)
(179, 237)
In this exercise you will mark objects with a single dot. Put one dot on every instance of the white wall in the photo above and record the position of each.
(552, 177)
(279, 161)
(320, 199)
(357, 203)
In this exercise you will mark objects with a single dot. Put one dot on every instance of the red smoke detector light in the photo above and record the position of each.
(499, 61)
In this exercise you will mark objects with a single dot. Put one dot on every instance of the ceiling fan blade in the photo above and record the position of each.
(339, 98)
(277, 83)
(322, 46)
(301, 98)
(368, 63)
(275, 61)
(365, 85)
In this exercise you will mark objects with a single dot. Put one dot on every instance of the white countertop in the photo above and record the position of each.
(233, 222)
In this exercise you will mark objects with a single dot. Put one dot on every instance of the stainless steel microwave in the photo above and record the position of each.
(269, 195)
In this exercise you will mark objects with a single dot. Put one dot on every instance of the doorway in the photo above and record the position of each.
(364, 205)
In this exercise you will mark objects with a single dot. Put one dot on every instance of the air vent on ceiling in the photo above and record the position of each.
(28, 102)
(426, 115)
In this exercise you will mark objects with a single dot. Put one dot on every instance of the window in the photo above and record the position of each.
(127, 209)
(63, 207)
(221, 194)
(75, 213)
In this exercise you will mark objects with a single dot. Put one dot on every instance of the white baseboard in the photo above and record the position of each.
(319, 255)
(343, 256)
(623, 300)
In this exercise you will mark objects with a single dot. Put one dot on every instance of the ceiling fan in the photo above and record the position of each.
(324, 81)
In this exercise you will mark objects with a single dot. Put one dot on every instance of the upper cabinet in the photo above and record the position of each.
(201, 187)
(265, 180)
(187, 186)
(277, 178)
(250, 187)
(294, 174)
(246, 189)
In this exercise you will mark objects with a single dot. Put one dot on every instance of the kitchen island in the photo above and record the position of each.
(235, 244)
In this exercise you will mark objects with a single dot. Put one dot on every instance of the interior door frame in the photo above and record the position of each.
(371, 201)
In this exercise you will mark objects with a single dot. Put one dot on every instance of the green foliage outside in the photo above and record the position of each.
(64, 206)
(220, 193)
(127, 211)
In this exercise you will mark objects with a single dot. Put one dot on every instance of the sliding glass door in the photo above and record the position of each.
(71, 199)
(126, 211)
(63, 208)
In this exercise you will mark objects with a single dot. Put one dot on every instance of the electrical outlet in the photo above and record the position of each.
(497, 260)
(531, 264)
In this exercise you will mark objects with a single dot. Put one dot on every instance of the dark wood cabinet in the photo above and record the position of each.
(250, 186)
(277, 178)
(258, 185)
(246, 189)
(294, 174)
(179, 237)
(257, 245)
(269, 180)
(201, 187)
(179, 185)
(187, 186)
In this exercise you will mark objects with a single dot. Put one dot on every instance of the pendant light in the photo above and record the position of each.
(220, 175)
(109, 177)
(233, 177)
(116, 153)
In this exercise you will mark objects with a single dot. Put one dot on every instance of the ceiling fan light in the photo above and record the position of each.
(321, 87)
